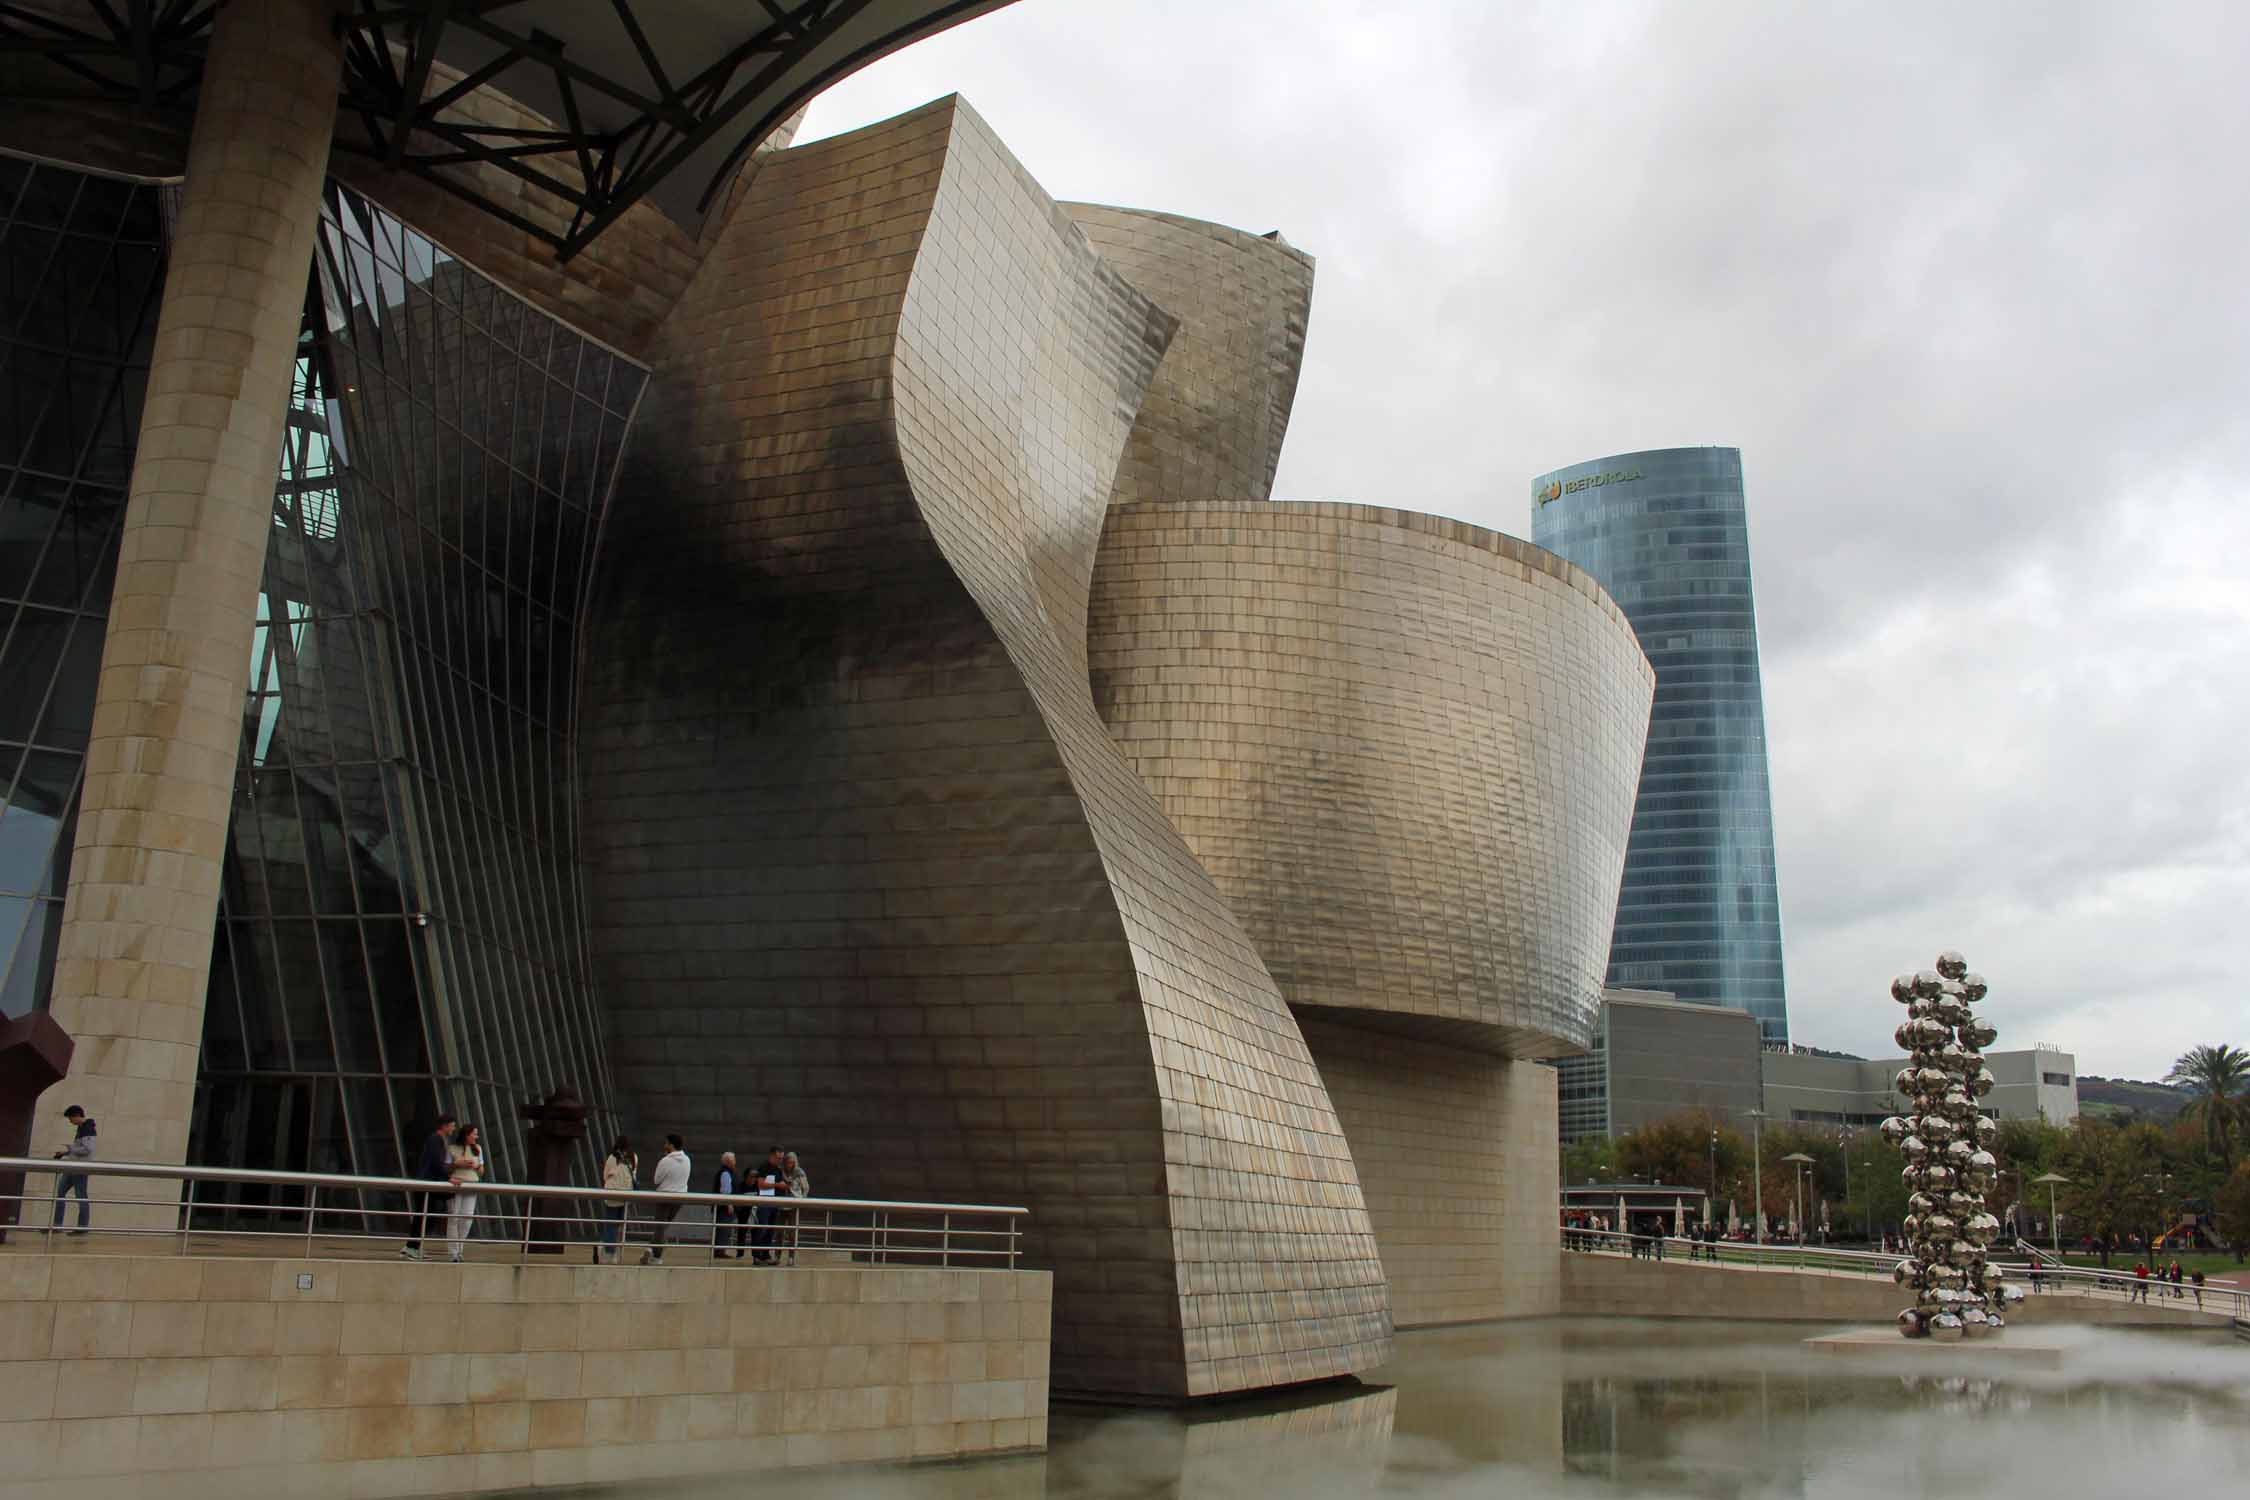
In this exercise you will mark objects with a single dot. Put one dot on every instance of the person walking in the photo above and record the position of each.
(800, 1186)
(468, 1171)
(2177, 1280)
(435, 1164)
(726, 1182)
(81, 1148)
(770, 1183)
(2197, 1278)
(2140, 1281)
(620, 1170)
(670, 1176)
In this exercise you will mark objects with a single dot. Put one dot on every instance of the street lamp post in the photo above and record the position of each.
(1869, 1166)
(1798, 1161)
(2054, 1225)
(1757, 1178)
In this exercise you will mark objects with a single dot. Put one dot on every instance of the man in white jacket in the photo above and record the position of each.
(670, 1176)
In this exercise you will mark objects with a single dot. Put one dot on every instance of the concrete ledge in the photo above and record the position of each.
(2014, 1347)
(318, 1378)
(1597, 1285)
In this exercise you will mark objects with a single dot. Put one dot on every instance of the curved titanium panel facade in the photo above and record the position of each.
(1404, 747)
(858, 832)
(1212, 422)
(1666, 533)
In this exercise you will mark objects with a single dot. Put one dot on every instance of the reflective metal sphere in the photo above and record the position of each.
(1988, 1130)
(1902, 988)
(1974, 987)
(1982, 1083)
(1906, 1272)
(1920, 1203)
(2011, 1294)
(1974, 1323)
(1936, 1129)
(1910, 1324)
(1914, 1148)
(1951, 964)
(1937, 1175)
(1928, 982)
(1896, 1130)
(1980, 1034)
(1946, 1328)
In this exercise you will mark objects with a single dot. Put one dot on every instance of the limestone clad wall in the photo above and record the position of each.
(857, 832)
(226, 1377)
(1456, 1154)
(1618, 1286)
(1405, 748)
(134, 954)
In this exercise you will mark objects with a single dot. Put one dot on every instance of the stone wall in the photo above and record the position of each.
(232, 1376)
(1621, 1287)
(1456, 1154)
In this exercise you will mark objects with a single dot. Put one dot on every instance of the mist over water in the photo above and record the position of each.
(1623, 1408)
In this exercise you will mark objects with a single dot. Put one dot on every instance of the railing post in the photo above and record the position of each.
(523, 1250)
(187, 1216)
(312, 1202)
(945, 1240)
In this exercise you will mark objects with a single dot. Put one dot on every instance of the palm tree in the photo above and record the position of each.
(2219, 1077)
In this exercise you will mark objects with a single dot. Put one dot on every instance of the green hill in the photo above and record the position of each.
(2108, 1098)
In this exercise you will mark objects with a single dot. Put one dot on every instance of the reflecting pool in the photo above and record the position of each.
(1644, 1409)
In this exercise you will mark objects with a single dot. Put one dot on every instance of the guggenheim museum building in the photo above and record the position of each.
(514, 575)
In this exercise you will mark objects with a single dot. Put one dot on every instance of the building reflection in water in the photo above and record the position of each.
(1618, 1408)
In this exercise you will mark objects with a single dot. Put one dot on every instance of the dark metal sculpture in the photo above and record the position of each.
(557, 1126)
(34, 1056)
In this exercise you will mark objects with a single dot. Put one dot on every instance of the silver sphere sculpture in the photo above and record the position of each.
(1943, 1135)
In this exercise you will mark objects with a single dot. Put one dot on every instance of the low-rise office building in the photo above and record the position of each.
(1653, 1056)
(2035, 1083)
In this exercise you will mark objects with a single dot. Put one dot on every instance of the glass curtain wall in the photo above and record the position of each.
(81, 270)
(402, 917)
(1667, 533)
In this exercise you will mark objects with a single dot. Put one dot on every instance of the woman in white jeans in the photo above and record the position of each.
(468, 1170)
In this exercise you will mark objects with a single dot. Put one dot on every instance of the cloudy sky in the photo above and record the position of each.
(1967, 286)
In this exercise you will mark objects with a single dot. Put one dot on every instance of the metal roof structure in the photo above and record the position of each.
(654, 99)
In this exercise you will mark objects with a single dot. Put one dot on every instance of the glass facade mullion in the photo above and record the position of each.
(401, 919)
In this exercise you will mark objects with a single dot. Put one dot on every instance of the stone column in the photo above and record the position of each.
(135, 951)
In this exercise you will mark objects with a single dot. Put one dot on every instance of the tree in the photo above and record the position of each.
(2219, 1077)
(2118, 1180)
(1590, 1158)
(2233, 1204)
(1678, 1148)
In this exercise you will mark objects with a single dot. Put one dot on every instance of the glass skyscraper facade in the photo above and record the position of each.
(401, 923)
(1699, 911)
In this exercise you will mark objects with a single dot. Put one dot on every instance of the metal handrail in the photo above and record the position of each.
(2217, 1299)
(881, 1237)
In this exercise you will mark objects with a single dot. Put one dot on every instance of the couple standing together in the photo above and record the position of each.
(453, 1154)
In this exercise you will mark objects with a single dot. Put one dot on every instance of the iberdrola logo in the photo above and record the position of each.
(1553, 491)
